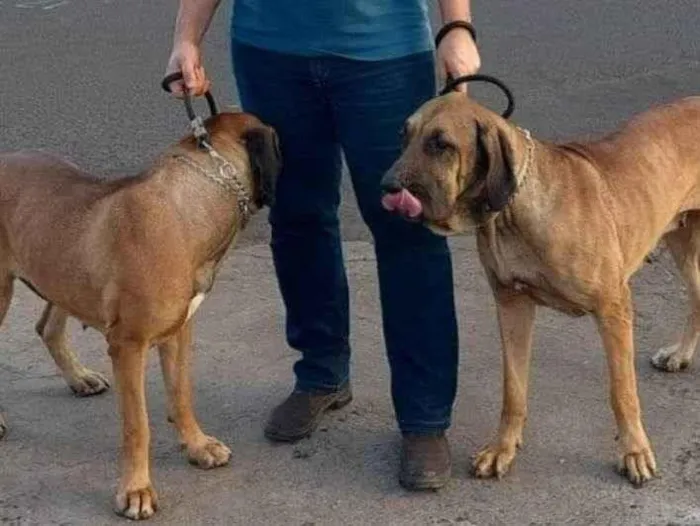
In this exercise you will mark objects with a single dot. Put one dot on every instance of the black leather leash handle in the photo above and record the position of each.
(452, 84)
(169, 79)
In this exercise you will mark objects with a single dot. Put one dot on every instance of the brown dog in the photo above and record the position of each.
(133, 259)
(564, 226)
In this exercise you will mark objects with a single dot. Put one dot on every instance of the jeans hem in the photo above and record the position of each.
(309, 387)
(425, 428)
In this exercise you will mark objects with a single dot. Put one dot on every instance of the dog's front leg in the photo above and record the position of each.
(615, 325)
(516, 316)
(202, 450)
(136, 498)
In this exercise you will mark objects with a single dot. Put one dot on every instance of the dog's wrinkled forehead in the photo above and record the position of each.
(234, 123)
(451, 114)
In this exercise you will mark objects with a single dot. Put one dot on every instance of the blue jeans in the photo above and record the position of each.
(320, 107)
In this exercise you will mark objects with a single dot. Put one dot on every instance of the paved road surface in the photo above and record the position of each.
(81, 77)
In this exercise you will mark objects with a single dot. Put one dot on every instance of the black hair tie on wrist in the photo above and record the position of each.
(453, 25)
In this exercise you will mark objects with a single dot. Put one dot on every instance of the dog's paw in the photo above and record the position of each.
(137, 503)
(638, 466)
(208, 453)
(670, 359)
(88, 383)
(494, 460)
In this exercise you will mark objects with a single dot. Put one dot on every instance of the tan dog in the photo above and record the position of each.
(564, 226)
(134, 259)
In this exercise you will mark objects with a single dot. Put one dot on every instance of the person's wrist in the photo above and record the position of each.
(184, 43)
(455, 25)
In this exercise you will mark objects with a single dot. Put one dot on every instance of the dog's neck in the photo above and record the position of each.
(512, 232)
(524, 159)
(211, 217)
(216, 168)
(537, 187)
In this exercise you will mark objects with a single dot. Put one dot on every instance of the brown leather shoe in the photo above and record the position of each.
(299, 415)
(425, 462)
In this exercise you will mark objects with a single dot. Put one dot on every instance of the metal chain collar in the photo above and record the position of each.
(524, 170)
(225, 176)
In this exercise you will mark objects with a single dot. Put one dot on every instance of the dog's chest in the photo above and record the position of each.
(515, 266)
(203, 283)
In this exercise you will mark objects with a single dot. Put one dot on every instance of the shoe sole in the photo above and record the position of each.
(333, 406)
(434, 483)
(425, 485)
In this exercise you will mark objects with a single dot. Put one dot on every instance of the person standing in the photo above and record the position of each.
(339, 78)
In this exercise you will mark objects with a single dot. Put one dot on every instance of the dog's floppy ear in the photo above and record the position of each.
(265, 159)
(495, 161)
(263, 150)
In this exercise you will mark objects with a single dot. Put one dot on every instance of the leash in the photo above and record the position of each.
(226, 176)
(196, 122)
(451, 85)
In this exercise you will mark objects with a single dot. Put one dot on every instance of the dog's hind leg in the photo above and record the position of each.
(684, 245)
(52, 329)
(202, 450)
(6, 287)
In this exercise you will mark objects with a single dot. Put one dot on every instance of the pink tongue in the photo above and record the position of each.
(403, 202)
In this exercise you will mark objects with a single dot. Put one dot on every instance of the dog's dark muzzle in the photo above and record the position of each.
(398, 199)
(390, 183)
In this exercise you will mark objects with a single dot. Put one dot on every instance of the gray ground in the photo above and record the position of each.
(81, 77)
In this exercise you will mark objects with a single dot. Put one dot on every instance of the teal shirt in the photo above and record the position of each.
(356, 29)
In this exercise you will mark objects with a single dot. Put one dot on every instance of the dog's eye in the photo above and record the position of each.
(437, 143)
(403, 135)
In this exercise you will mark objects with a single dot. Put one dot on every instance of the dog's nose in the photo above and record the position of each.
(390, 184)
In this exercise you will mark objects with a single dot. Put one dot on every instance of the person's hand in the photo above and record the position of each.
(186, 57)
(457, 55)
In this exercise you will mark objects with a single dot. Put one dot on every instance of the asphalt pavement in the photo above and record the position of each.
(81, 78)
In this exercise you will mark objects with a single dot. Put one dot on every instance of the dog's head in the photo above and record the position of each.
(231, 130)
(456, 167)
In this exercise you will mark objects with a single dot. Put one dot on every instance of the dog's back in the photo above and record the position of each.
(52, 175)
(55, 221)
(667, 132)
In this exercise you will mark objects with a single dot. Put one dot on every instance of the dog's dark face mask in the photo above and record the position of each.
(265, 158)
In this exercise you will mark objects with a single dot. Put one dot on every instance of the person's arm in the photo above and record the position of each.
(451, 10)
(457, 53)
(191, 24)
